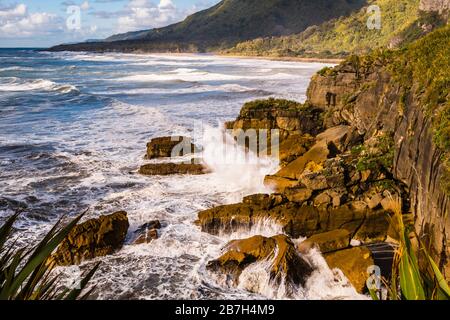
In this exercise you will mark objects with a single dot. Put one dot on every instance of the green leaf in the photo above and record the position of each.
(76, 292)
(439, 277)
(410, 277)
(40, 255)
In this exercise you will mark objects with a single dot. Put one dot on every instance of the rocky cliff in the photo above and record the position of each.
(371, 95)
(381, 132)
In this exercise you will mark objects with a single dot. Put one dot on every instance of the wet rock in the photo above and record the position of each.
(297, 220)
(93, 238)
(167, 147)
(284, 260)
(327, 242)
(288, 117)
(147, 232)
(164, 169)
(353, 263)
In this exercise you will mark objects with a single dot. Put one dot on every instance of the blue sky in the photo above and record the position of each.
(43, 23)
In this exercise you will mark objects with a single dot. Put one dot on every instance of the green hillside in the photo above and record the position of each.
(401, 22)
(228, 23)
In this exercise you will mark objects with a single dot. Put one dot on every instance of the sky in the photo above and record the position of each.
(43, 23)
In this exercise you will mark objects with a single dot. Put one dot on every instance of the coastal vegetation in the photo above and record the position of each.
(401, 22)
(26, 272)
(408, 280)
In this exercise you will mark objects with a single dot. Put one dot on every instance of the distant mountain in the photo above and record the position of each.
(402, 21)
(228, 23)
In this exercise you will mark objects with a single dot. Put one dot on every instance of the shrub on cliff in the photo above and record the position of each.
(423, 70)
(272, 104)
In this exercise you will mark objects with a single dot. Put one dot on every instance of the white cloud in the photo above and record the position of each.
(18, 22)
(144, 14)
(18, 11)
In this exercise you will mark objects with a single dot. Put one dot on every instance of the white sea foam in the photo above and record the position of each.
(14, 84)
(196, 76)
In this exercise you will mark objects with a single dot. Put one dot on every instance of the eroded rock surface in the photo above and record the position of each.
(94, 238)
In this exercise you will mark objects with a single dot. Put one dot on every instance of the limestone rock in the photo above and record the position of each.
(167, 147)
(147, 232)
(353, 263)
(93, 238)
(299, 195)
(327, 242)
(297, 220)
(164, 169)
(374, 201)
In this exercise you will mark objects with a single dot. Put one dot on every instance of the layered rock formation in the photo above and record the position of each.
(167, 147)
(172, 147)
(170, 168)
(93, 238)
(371, 98)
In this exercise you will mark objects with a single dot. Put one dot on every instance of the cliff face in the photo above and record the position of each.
(366, 93)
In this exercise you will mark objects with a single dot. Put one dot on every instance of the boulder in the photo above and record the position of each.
(285, 262)
(294, 146)
(327, 242)
(167, 147)
(353, 263)
(298, 195)
(169, 168)
(317, 154)
(147, 232)
(93, 238)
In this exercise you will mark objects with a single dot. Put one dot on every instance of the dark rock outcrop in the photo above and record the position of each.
(167, 147)
(297, 220)
(147, 232)
(169, 168)
(93, 238)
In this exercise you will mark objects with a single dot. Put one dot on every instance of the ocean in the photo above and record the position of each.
(73, 133)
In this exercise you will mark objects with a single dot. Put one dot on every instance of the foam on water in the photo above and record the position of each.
(17, 85)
